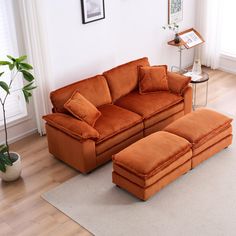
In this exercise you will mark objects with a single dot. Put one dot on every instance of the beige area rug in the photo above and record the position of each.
(200, 203)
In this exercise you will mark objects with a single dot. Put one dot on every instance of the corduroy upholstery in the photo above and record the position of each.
(73, 127)
(124, 78)
(177, 83)
(82, 109)
(149, 160)
(151, 163)
(126, 116)
(153, 79)
(95, 89)
(206, 130)
(200, 126)
(148, 105)
(114, 120)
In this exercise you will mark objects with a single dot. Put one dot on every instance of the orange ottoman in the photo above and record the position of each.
(208, 131)
(151, 163)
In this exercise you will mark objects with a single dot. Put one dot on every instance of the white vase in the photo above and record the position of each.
(12, 172)
(197, 68)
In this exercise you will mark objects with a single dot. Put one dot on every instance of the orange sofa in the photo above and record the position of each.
(126, 115)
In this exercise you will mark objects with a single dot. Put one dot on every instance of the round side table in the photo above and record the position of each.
(202, 78)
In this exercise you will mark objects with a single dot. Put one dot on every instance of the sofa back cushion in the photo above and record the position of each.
(124, 78)
(94, 89)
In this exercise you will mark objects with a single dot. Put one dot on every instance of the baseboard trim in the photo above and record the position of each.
(21, 136)
(228, 70)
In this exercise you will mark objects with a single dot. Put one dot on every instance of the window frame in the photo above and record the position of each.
(18, 49)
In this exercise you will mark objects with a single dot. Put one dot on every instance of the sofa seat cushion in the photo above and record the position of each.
(114, 120)
(119, 138)
(163, 115)
(152, 154)
(147, 105)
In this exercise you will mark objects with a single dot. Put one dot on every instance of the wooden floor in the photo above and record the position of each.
(24, 212)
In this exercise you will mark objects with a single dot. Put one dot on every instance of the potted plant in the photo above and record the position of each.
(175, 28)
(10, 162)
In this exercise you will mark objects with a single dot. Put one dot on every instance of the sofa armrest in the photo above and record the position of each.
(188, 97)
(72, 126)
(177, 83)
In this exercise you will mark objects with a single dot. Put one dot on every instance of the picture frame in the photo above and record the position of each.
(175, 11)
(191, 38)
(92, 10)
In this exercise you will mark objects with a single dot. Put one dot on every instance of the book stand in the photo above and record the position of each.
(188, 39)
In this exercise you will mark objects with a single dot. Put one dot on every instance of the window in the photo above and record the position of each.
(15, 104)
(228, 33)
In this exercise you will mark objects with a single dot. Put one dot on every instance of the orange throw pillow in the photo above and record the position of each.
(153, 79)
(82, 109)
(177, 83)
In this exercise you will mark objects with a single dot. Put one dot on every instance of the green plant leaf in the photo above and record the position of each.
(27, 75)
(4, 86)
(17, 65)
(4, 63)
(25, 66)
(22, 58)
(27, 95)
(3, 148)
(27, 91)
(11, 58)
(6, 160)
(29, 86)
(11, 66)
(2, 166)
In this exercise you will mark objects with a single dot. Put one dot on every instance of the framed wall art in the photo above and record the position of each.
(175, 11)
(92, 10)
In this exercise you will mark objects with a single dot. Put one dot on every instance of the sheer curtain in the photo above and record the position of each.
(228, 34)
(208, 23)
(36, 50)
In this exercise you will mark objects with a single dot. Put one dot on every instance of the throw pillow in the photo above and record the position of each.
(82, 109)
(153, 79)
(177, 83)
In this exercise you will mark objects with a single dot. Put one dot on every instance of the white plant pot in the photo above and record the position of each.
(12, 172)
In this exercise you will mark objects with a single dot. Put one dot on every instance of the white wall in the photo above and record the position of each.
(132, 29)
